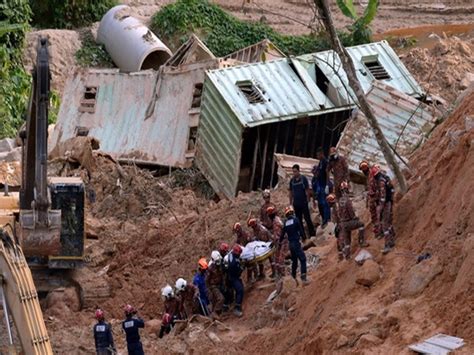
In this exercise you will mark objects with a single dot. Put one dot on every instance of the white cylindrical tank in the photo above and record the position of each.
(130, 43)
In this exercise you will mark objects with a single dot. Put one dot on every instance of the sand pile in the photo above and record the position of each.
(441, 70)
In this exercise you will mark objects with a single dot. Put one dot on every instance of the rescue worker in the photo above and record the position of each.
(223, 249)
(384, 207)
(320, 185)
(280, 241)
(104, 341)
(292, 230)
(234, 270)
(340, 169)
(187, 296)
(263, 210)
(131, 325)
(347, 221)
(243, 238)
(299, 198)
(263, 234)
(199, 281)
(171, 310)
(370, 198)
(215, 283)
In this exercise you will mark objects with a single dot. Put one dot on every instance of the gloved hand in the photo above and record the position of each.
(326, 190)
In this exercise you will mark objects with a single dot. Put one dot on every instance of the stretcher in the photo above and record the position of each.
(257, 251)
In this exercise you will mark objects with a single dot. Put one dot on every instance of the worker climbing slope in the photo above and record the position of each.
(320, 185)
(199, 281)
(292, 229)
(215, 283)
(339, 168)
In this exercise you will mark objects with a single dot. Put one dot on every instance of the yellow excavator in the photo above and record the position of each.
(41, 225)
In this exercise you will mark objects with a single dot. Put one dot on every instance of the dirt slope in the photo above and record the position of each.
(411, 301)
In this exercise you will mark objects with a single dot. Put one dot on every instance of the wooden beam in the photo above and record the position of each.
(264, 160)
(254, 161)
(275, 146)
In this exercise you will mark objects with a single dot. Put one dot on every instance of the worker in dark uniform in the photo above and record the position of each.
(234, 270)
(131, 325)
(292, 229)
(104, 341)
(299, 199)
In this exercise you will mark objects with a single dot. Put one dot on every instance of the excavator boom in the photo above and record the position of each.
(19, 298)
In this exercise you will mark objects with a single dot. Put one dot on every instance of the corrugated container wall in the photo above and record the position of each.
(219, 142)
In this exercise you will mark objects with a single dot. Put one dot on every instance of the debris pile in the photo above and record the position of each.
(445, 69)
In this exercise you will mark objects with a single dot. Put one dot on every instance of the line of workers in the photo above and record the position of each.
(218, 284)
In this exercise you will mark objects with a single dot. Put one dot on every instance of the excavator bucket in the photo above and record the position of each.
(37, 239)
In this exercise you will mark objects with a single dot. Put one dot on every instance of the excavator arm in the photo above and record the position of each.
(18, 296)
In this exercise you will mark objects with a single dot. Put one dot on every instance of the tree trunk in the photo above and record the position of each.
(326, 18)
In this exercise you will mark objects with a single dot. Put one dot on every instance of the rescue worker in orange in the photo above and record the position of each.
(384, 204)
(277, 229)
(282, 249)
(339, 168)
(263, 210)
(346, 221)
(242, 238)
(187, 295)
(263, 234)
(370, 191)
(171, 310)
(215, 283)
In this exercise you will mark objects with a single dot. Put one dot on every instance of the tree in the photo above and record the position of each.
(327, 21)
(360, 29)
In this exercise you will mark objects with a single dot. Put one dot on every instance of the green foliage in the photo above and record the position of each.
(347, 8)
(14, 80)
(54, 104)
(360, 29)
(222, 32)
(92, 54)
(68, 13)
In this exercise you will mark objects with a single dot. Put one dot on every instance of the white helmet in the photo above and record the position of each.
(180, 285)
(226, 260)
(167, 291)
(216, 257)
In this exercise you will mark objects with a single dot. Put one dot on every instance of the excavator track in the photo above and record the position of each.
(20, 298)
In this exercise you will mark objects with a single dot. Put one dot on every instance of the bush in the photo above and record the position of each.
(93, 54)
(68, 13)
(14, 80)
(222, 32)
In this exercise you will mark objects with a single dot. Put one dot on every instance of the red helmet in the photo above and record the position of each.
(271, 210)
(237, 227)
(344, 185)
(99, 314)
(252, 222)
(236, 249)
(364, 165)
(289, 210)
(166, 320)
(375, 170)
(129, 310)
(224, 248)
(331, 198)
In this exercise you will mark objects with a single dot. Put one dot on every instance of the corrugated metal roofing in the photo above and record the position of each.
(330, 65)
(285, 95)
(399, 115)
(120, 121)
